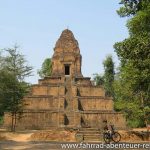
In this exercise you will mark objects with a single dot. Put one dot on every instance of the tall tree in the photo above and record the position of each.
(46, 68)
(134, 54)
(13, 88)
(98, 79)
(131, 7)
(109, 75)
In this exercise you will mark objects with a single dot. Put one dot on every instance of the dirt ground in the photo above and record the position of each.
(37, 135)
(135, 135)
(49, 139)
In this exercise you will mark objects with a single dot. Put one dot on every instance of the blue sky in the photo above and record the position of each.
(35, 25)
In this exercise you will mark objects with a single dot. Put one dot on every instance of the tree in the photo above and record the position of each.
(131, 7)
(99, 79)
(127, 101)
(13, 88)
(109, 75)
(134, 54)
(46, 68)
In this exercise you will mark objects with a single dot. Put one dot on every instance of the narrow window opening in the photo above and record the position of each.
(67, 70)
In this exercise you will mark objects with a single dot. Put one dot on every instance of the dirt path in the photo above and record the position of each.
(18, 137)
(12, 145)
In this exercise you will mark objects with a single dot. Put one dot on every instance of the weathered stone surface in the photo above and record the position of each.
(66, 99)
(67, 42)
(66, 52)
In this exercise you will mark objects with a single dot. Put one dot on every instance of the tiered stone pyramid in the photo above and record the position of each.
(66, 99)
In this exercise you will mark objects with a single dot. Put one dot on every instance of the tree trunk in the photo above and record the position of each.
(12, 122)
(15, 121)
(142, 103)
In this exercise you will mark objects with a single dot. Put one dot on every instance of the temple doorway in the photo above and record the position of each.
(67, 70)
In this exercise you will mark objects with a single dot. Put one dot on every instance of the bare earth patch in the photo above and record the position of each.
(135, 135)
(132, 136)
(18, 137)
(47, 140)
(53, 136)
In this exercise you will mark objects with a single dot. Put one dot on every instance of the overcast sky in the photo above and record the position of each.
(36, 25)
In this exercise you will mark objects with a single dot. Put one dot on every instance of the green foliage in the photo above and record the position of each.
(46, 69)
(132, 87)
(139, 24)
(15, 64)
(99, 79)
(109, 75)
(13, 88)
(1, 120)
(131, 7)
(132, 110)
(107, 79)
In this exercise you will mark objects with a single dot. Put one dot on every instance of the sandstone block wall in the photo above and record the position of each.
(96, 119)
(50, 81)
(48, 90)
(34, 120)
(96, 104)
(91, 91)
(83, 81)
(41, 103)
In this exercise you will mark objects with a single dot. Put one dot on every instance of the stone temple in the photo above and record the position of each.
(66, 99)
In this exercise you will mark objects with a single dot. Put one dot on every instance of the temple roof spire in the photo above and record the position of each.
(67, 41)
(66, 59)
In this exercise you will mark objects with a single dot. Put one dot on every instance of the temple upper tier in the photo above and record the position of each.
(66, 60)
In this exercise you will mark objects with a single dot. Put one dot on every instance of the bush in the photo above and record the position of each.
(1, 120)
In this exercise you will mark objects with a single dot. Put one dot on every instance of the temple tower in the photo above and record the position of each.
(66, 60)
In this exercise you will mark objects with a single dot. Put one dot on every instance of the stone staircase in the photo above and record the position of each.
(69, 121)
(68, 94)
(89, 134)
